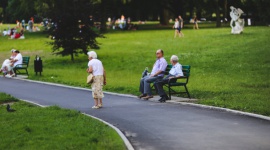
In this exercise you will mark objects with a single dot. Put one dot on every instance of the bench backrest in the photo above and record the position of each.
(169, 67)
(185, 69)
(26, 60)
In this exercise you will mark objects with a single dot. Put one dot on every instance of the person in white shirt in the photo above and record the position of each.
(176, 71)
(96, 68)
(17, 60)
(7, 64)
(176, 27)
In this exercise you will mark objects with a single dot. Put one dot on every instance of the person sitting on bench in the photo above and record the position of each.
(176, 71)
(6, 66)
(15, 62)
(156, 74)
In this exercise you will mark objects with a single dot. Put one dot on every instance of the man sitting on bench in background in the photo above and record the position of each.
(176, 71)
(15, 62)
(156, 74)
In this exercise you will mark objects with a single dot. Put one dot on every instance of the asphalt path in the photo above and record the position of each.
(151, 125)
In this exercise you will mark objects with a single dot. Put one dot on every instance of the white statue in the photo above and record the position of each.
(238, 22)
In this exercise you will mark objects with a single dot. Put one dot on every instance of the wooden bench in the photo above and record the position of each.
(180, 81)
(22, 66)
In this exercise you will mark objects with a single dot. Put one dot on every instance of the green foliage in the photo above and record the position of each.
(20, 9)
(71, 33)
(137, 9)
(31, 127)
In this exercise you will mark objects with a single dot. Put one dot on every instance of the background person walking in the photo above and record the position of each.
(181, 25)
(96, 68)
(176, 28)
(195, 26)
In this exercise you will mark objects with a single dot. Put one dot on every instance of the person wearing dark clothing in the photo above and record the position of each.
(91, 21)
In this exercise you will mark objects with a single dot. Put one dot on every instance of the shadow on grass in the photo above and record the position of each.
(6, 98)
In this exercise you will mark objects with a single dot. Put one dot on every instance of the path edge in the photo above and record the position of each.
(225, 109)
(121, 134)
(124, 138)
(182, 103)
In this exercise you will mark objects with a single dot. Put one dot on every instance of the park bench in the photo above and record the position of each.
(180, 81)
(22, 66)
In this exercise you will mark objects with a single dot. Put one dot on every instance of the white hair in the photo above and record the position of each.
(92, 54)
(174, 58)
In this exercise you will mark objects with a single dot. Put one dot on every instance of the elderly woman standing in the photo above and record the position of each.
(96, 68)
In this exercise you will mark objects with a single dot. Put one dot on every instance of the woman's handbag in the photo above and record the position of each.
(90, 78)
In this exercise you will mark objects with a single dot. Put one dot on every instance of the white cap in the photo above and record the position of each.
(13, 50)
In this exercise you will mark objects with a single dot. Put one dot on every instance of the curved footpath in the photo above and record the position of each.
(154, 126)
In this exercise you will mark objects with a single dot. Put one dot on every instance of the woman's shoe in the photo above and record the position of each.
(95, 107)
(99, 105)
(142, 95)
(8, 76)
(147, 97)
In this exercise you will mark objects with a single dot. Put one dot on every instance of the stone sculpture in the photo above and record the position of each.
(237, 23)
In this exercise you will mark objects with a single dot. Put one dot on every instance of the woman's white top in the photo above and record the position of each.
(176, 24)
(97, 67)
(19, 59)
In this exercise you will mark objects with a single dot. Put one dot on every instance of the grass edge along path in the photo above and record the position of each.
(33, 127)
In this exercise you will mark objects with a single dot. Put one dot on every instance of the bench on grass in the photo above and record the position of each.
(17, 69)
(180, 81)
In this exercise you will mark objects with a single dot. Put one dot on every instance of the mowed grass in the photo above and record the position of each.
(227, 70)
(32, 127)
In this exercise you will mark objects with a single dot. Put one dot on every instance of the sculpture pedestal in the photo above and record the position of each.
(239, 26)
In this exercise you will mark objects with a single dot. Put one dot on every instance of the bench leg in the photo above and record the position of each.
(187, 91)
(170, 95)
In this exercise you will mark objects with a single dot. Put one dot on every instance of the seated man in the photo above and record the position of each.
(156, 74)
(176, 71)
(15, 62)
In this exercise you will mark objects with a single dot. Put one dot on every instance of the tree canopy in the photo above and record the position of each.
(12, 10)
(71, 31)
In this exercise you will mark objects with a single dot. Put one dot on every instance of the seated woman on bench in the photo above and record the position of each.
(11, 63)
(176, 71)
(6, 66)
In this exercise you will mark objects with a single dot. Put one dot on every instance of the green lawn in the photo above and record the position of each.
(32, 127)
(229, 71)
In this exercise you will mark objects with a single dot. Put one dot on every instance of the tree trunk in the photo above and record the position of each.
(164, 16)
(103, 19)
(218, 23)
(72, 56)
(199, 14)
(225, 11)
